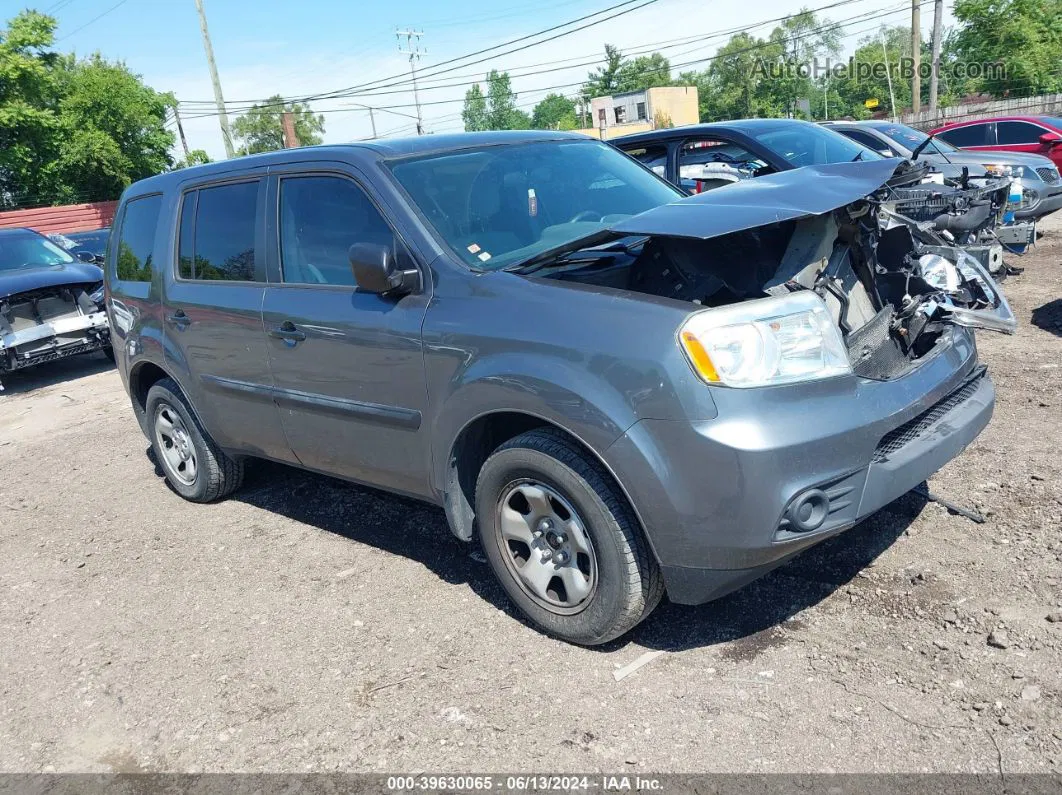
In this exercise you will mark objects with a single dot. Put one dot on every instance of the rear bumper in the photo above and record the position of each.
(716, 497)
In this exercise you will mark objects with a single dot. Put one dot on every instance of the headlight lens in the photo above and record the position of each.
(770, 341)
(939, 273)
(999, 170)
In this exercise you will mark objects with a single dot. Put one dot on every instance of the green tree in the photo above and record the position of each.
(554, 112)
(502, 113)
(645, 71)
(72, 130)
(196, 157)
(869, 79)
(605, 80)
(261, 129)
(619, 75)
(474, 113)
(1025, 36)
(497, 109)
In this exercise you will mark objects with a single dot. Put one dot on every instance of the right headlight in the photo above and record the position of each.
(770, 341)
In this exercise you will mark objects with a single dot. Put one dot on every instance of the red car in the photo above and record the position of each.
(1038, 135)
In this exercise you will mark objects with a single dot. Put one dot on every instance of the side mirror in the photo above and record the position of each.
(377, 271)
(1051, 139)
(85, 256)
(886, 152)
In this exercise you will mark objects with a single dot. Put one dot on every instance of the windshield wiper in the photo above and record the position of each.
(544, 258)
(859, 156)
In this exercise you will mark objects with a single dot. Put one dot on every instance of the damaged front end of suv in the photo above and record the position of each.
(892, 285)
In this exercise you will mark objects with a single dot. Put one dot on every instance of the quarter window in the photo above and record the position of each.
(970, 135)
(136, 241)
(320, 219)
(217, 235)
(1018, 132)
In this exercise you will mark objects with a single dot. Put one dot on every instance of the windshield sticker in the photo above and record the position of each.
(473, 249)
(532, 203)
(484, 256)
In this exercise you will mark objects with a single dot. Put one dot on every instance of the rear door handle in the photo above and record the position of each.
(179, 319)
(286, 331)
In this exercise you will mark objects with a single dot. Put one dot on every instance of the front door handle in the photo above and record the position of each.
(286, 331)
(179, 319)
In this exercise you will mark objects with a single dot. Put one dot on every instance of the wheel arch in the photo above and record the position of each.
(484, 434)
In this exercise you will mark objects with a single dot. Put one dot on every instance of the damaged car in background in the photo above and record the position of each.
(51, 304)
(966, 206)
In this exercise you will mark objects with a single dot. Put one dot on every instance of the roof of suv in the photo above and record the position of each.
(374, 150)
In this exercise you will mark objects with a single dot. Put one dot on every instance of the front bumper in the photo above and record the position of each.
(713, 495)
(1049, 203)
(52, 340)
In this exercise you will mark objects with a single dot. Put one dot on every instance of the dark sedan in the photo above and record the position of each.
(704, 156)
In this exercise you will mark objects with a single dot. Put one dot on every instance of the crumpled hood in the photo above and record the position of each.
(25, 279)
(785, 196)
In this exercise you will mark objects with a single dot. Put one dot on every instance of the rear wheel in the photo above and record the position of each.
(562, 540)
(194, 465)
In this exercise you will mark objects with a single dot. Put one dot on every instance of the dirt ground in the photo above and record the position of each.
(308, 625)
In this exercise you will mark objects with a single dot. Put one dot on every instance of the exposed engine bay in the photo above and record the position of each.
(893, 285)
(51, 323)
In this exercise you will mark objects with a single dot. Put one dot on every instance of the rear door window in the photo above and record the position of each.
(218, 233)
(869, 141)
(1018, 132)
(136, 239)
(970, 135)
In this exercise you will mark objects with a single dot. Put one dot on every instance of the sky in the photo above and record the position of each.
(267, 47)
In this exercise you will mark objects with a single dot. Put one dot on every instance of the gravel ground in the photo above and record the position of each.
(306, 624)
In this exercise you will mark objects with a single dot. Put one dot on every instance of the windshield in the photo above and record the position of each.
(22, 248)
(910, 138)
(498, 205)
(812, 145)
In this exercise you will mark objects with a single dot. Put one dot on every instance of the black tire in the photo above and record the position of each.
(628, 581)
(217, 474)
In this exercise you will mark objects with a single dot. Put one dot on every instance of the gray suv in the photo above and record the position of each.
(620, 392)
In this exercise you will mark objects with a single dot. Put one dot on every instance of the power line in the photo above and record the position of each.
(377, 90)
(352, 90)
(91, 21)
(807, 34)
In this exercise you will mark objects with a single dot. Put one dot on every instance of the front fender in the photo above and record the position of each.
(549, 388)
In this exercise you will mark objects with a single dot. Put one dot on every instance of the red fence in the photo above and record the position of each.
(69, 218)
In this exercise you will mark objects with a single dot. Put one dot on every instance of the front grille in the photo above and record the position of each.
(1048, 174)
(899, 438)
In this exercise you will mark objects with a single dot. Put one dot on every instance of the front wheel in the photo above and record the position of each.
(562, 540)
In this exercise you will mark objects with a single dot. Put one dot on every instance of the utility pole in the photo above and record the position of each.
(888, 74)
(414, 51)
(938, 14)
(372, 121)
(223, 118)
(291, 138)
(180, 130)
(916, 55)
